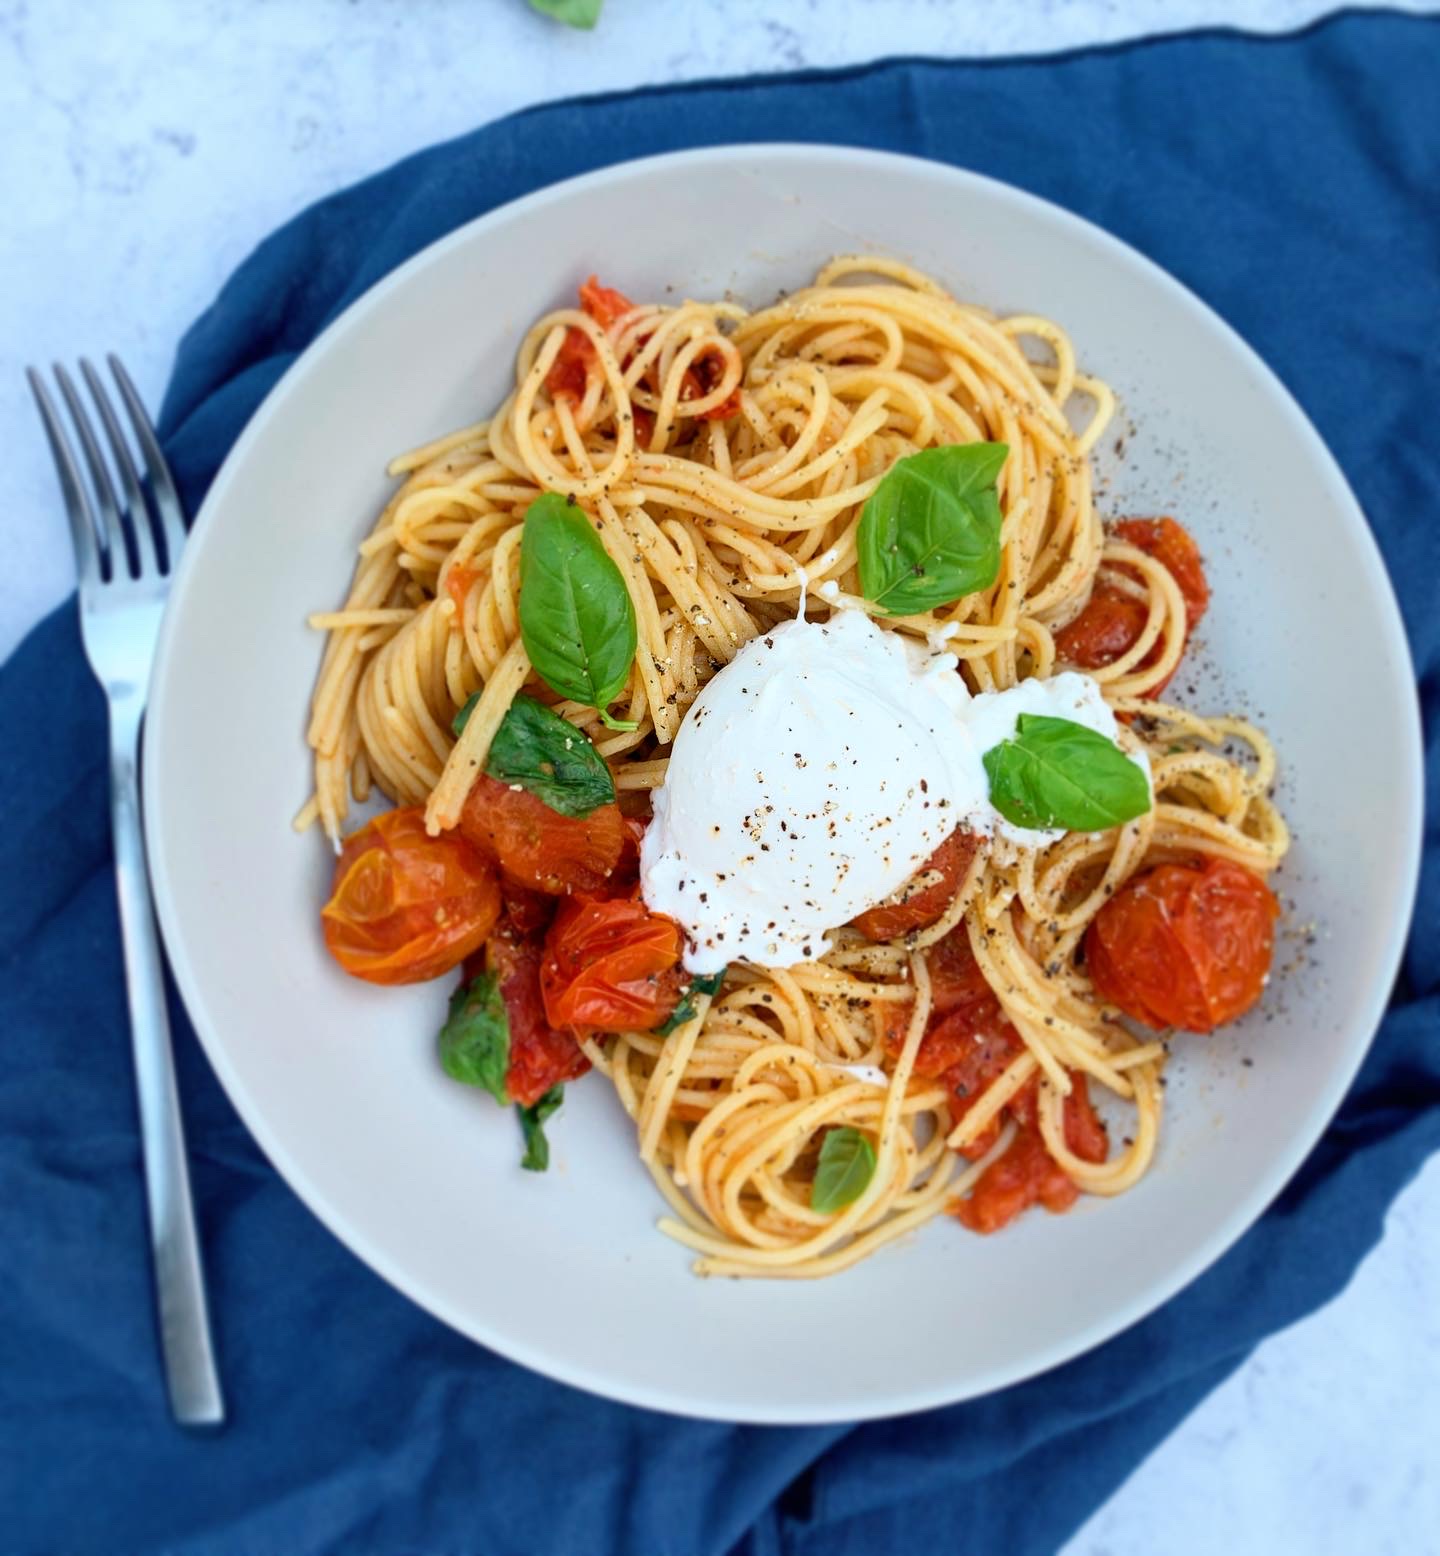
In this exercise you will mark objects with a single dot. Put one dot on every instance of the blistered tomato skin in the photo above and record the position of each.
(1112, 621)
(405, 906)
(537, 848)
(920, 907)
(1186, 946)
(1110, 625)
(1173, 546)
(570, 370)
(611, 966)
(955, 977)
(540, 1057)
(1027, 1174)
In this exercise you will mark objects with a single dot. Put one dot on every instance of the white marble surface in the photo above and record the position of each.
(145, 147)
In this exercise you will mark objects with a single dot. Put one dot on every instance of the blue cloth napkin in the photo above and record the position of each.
(1291, 183)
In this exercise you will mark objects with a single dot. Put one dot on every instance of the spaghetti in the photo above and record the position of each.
(724, 458)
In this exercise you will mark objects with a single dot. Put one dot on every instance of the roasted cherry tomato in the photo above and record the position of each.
(702, 378)
(1173, 546)
(970, 1034)
(1109, 626)
(611, 966)
(569, 373)
(603, 303)
(538, 847)
(955, 977)
(1112, 622)
(1184, 945)
(625, 877)
(979, 1054)
(406, 906)
(969, 1040)
(890, 1020)
(919, 903)
(1028, 1175)
(527, 910)
(571, 367)
(1085, 1131)
(540, 1057)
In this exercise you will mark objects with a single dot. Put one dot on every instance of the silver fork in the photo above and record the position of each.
(125, 554)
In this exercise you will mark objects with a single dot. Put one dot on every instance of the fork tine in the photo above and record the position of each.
(88, 560)
(112, 528)
(162, 484)
(141, 528)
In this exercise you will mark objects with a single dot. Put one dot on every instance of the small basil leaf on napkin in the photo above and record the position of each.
(1056, 773)
(550, 757)
(847, 1163)
(532, 1126)
(705, 983)
(576, 616)
(930, 532)
(574, 13)
(475, 1040)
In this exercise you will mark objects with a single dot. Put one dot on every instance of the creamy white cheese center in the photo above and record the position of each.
(815, 774)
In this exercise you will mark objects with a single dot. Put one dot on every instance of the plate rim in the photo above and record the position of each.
(598, 1380)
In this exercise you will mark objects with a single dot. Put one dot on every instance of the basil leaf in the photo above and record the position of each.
(930, 532)
(847, 1163)
(574, 13)
(475, 1040)
(546, 755)
(1056, 773)
(462, 717)
(551, 758)
(576, 616)
(677, 1017)
(532, 1126)
(705, 983)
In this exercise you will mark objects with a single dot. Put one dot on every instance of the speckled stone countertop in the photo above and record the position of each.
(146, 148)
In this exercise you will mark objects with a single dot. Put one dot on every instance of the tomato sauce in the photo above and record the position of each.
(458, 583)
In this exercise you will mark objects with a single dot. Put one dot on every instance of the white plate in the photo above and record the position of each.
(565, 1272)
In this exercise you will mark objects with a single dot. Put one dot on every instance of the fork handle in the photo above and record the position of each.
(189, 1354)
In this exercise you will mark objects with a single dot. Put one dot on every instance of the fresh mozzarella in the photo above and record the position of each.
(815, 774)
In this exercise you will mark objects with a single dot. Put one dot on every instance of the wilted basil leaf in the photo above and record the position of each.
(704, 983)
(532, 1125)
(475, 1040)
(551, 758)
